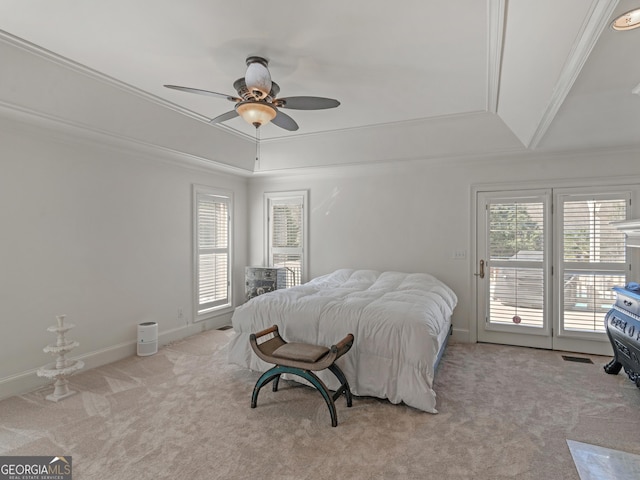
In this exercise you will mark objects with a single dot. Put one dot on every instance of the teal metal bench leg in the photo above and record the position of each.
(276, 381)
(278, 370)
(344, 385)
(265, 378)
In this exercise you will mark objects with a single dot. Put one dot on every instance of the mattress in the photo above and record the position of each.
(400, 322)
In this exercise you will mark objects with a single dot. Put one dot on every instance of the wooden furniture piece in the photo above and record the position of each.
(301, 359)
(623, 328)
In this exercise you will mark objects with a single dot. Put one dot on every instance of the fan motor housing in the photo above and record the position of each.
(243, 92)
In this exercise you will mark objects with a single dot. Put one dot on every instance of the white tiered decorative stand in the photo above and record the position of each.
(61, 368)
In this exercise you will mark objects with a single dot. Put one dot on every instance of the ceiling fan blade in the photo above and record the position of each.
(204, 92)
(307, 103)
(283, 120)
(224, 117)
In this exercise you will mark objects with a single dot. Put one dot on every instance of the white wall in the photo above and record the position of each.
(101, 234)
(412, 216)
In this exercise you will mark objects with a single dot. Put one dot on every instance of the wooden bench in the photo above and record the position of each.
(301, 359)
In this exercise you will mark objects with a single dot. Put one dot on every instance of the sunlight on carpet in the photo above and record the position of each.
(598, 463)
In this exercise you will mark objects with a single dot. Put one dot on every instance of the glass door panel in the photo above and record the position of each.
(548, 284)
(512, 240)
(593, 261)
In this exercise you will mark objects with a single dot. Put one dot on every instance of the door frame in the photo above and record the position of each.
(633, 254)
(521, 335)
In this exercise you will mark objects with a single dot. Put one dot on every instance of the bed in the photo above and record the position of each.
(401, 322)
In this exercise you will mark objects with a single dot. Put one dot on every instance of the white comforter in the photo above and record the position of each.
(399, 321)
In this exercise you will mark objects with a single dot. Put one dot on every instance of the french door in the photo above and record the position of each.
(546, 262)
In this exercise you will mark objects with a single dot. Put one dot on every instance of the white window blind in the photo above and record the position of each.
(516, 265)
(286, 234)
(212, 251)
(593, 259)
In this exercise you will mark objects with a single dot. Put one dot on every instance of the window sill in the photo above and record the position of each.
(212, 313)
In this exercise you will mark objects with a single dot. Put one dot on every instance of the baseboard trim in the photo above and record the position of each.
(460, 335)
(28, 380)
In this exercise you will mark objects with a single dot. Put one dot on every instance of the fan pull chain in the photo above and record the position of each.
(258, 144)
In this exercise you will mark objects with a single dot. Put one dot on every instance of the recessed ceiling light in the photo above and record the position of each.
(627, 21)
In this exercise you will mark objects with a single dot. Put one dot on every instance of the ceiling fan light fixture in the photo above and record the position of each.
(256, 113)
(257, 77)
(257, 101)
(627, 21)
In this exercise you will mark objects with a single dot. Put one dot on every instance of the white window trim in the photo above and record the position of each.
(228, 306)
(288, 196)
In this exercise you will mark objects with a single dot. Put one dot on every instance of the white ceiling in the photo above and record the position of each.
(548, 75)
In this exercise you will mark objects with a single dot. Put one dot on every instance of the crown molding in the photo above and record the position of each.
(24, 119)
(400, 123)
(508, 155)
(112, 82)
(496, 12)
(596, 21)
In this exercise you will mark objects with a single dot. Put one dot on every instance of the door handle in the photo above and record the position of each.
(481, 273)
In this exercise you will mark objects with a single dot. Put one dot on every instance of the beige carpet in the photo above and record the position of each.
(505, 412)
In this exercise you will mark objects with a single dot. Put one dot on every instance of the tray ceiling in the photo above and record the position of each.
(549, 75)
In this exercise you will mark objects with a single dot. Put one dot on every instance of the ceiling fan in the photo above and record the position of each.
(257, 101)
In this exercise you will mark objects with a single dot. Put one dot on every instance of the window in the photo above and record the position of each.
(593, 257)
(212, 237)
(286, 233)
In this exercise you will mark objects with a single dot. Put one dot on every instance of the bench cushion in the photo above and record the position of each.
(301, 352)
